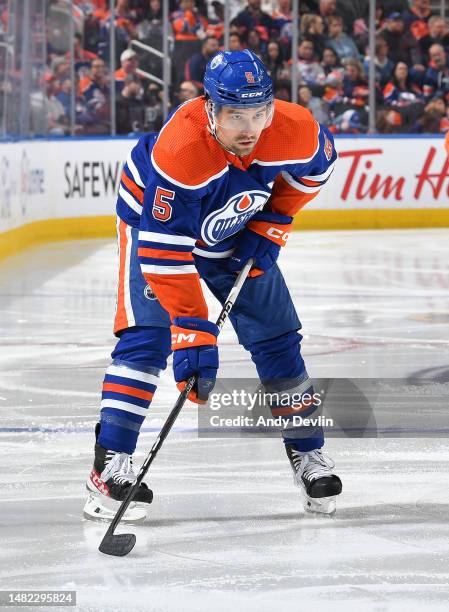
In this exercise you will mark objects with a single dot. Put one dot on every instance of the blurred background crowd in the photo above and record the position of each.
(332, 59)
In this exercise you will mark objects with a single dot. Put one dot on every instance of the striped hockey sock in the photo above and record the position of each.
(127, 394)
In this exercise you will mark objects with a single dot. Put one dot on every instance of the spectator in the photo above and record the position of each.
(47, 115)
(255, 43)
(310, 71)
(433, 119)
(355, 91)
(316, 106)
(125, 30)
(312, 28)
(282, 16)
(274, 62)
(438, 34)
(389, 121)
(392, 6)
(349, 122)
(187, 91)
(330, 61)
(124, 18)
(333, 89)
(338, 40)
(282, 90)
(60, 67)
(95, 94)
(129, 63)
(150, 27)
(436, 78)
(326, 9)
(91, 30)
(80, 54)
(196, 65)
(383, 65)
(402, 90)
(354, 76)
(402, 47)
(216, 23)
(337, 7)
(130, 106)
(153, 108)
(416, 17)
(235, 42)
(252, 17)
(187, 23)
(190, 30)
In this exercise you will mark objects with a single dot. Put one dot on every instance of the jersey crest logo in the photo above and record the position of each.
(249, 77)
(233, 216)
(328, 148)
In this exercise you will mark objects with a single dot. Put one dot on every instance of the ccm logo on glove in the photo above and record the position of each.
(277, 233)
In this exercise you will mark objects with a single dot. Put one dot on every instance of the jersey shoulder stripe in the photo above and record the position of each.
(185, 154)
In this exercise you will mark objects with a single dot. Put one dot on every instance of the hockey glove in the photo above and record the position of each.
(194, 346)
(262, 239)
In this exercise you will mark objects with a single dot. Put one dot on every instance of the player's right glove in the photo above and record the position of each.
(194, 346)
(262, 240)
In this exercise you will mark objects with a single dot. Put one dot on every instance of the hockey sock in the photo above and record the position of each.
(129, 385)
(283, 373)
(126, 397)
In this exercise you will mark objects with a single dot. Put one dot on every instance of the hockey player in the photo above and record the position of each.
(219, 185)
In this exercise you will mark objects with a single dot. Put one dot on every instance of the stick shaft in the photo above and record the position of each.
(227, 307)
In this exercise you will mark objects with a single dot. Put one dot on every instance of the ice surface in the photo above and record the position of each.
(226, 530)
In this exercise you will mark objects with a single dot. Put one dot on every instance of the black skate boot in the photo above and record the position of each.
(109, 482)
(312, 473)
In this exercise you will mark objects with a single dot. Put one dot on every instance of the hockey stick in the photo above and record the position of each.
(121, 544)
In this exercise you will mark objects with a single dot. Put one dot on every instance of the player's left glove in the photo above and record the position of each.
(261, 239)
(194, 346)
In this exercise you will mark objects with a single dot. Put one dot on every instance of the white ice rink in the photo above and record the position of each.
(226, 531)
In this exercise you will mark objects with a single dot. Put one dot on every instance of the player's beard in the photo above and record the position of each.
(243, 147)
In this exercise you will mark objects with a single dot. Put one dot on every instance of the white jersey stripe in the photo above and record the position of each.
(321, 177)
(166, 238)
(125, 372)
(133, 169)
(125, 406)
(298, 186)
(183, 185)
(211, 254)
(132, 203)
(153, 269)
(127, 295)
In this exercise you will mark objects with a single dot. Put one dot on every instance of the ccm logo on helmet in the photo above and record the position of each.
(180, 338)
(276, 232)
(253, 94)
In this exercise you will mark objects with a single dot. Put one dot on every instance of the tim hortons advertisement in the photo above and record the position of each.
(374, 173)
(78, 178)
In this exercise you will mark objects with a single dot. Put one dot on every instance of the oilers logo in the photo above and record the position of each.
(233, 216)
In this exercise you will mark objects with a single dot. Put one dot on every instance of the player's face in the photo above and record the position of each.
(239, 129)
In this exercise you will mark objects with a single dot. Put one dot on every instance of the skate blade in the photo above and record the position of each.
(319, 505)
(103, 509)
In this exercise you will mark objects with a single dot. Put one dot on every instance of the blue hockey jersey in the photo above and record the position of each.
(191, 198)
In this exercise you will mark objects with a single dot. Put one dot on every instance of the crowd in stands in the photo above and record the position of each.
(411, 60)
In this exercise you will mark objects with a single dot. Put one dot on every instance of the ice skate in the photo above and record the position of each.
(312, 473)
(108, 484)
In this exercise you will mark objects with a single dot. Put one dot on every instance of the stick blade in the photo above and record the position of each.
(117, 545)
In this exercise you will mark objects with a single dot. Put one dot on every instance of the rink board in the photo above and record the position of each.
(54, 189)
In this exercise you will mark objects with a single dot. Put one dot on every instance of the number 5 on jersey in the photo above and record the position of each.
(162, 209)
